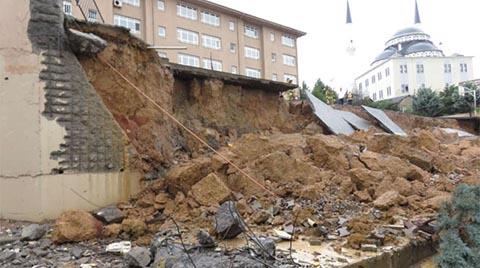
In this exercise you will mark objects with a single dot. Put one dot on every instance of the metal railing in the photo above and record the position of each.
(90, 10)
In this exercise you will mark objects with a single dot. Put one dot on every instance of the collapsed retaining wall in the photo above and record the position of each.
(217, 106)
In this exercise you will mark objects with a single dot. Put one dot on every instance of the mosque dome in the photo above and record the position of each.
(422, 46)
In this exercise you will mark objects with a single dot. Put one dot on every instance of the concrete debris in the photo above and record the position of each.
(85, 44)
(342, 232)
(108, 215)
(120, 247)
(228, 223)
(283, 235)
(33, 232)
(369, 247)
(137, 257)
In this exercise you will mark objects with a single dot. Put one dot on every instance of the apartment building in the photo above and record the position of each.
(215, 37)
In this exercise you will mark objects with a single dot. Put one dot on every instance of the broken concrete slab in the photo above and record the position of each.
(460, 133)
(384, 121)
(329, 117)
(355, 121)
(85, 44)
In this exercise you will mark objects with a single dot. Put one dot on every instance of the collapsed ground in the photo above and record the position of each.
(363, 191)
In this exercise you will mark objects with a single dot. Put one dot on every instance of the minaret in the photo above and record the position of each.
(350, 49)
(417, 14)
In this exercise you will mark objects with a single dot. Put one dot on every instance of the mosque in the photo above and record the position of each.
(411, 61)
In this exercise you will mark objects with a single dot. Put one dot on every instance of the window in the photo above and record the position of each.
(212, 64)
(210, 18)
(211, 42)
(187, 12)
(252, 72)
(389, 91)
(379, 76)
(252, 53)
(130, 23)
(289, 77)
(404, 88)
(234, 70)
(67, 7)
(274, 57)
(367, 83)
(380, 94)
(463, 67)
(274, 77)
(447, 85)
(231, 25)
(420, 69)
(423, 86)
(162, 31)
(373, 79)
(92, 15)
(447, 68)
(289, 60)
(387, 72)
(360, 86)
(288, 41)
(374, 97)
(272, 37)
(233, 47)
(135, 3)
(403, 69)
(162, 55)
(186, 36)
(161, 5)
(188, 60)
(251, 31)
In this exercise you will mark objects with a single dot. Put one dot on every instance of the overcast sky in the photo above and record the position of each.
(321, 53)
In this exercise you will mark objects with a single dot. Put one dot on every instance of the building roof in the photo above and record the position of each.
(254, 19)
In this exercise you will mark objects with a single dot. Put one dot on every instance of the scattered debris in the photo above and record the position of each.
(120, 247)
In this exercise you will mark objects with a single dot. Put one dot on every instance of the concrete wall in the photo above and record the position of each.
(52, 122)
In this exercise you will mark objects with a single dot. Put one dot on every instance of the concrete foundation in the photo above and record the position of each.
(46, 196)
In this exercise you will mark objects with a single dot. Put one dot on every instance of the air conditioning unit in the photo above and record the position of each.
(117, 3)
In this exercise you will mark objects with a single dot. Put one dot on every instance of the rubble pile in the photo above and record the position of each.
(369, 188)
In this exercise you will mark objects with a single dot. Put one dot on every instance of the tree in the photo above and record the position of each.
(458, 224)
(452, 102)
(427, 103)
(383, 105)
(303, 88)
(320, 91)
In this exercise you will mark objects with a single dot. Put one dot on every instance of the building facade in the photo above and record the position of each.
(215, 37)
(410, 62)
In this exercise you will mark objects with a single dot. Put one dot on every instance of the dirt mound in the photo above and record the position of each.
(321, 177)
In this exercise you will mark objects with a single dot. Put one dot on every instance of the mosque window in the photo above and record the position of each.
(374, 97)
(387, 72)
(379, 76)
(380, 94)
(367, 83)
(404, 88)
(389, 91)
(403, 69)
(463, 67)
(373, 79)
(447, 68)
(420, 69)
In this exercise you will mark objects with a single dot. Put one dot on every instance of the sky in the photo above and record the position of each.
(321, 53)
